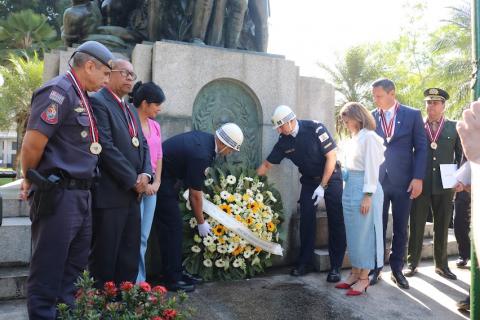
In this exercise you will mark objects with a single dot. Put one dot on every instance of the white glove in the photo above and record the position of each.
(318, 194)
(204, 229)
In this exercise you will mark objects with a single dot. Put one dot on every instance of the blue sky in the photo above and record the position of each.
(308, 31)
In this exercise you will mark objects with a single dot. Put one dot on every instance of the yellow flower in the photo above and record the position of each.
(253, 206)
(238, 218)
(237, 251)
(258, 249)
(258, 225)
(271, 226)
(221, 240)
(231, 198)
(236, 239)
(219, 230)
(249, 220)
(246, 197)
(226, 208)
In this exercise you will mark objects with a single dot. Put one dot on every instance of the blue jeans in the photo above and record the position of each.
(147, 210)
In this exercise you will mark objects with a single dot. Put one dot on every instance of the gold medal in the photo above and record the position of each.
(135, 142)
(95, 148)
(433, 145)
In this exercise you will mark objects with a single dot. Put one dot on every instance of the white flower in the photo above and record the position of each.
(249, 192)
(237, 209)
(196, 249)
(216, 199)
(222, 248)
(224, 195)
(208, 241)
(208, 182)
(238, 197)
(238, 262)
(207, 171)
(267, 219)
(247, 254)
(207, 196)
(193, 223)
(212, 248)
(260, 185)
(231, 247)
(231, 179)
(248, 179)
(219, 263)
(197, 238)
(270, 195)
(259, 197)
(207, 263)
(243, 242)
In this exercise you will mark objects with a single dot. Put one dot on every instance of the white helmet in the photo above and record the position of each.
(231, 135)
(282, 115)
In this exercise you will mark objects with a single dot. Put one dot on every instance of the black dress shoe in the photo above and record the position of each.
(461, 262)
(301, 270)
(180, 286)
(446, 273)
(191, 278)
(400, 280)
(464, 305)
(411, 271)
(376, 276)
(333, 275)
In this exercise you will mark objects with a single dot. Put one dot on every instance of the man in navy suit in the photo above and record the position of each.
(402, 173)
(125, 171)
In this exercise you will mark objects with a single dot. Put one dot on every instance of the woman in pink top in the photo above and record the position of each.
(148, 98)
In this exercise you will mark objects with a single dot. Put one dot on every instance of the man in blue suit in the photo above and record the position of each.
(402, 173)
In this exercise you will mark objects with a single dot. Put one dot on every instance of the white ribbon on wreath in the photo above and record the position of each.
(237, 227)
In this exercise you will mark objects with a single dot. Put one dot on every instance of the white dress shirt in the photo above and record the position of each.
(389, 113)
(364, 152)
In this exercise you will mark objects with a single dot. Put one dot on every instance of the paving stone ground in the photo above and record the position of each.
(278, 296)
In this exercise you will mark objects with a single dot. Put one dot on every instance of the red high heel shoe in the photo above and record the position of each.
(353, 292)
(344, 285)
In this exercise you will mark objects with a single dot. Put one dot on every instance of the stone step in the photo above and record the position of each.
(321, 240)
(322, 261)
(13, 310)
(15, 241)
(12, 205)
(13, 282)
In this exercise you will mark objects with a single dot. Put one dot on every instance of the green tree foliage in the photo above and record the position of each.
(352, 76)
(26, 31)
(21, 77)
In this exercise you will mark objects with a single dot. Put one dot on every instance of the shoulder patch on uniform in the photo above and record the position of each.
(57, 97)
(50, 114)
(323, 137)
(318, 129)
(328, 145)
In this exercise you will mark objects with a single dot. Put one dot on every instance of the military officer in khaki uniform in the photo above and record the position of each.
(444, 148)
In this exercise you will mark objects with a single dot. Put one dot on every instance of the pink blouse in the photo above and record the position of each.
(154, 140)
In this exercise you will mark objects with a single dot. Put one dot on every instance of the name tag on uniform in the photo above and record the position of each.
(323, 137)
(289, 150)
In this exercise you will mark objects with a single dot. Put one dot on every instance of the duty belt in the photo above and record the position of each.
(75, 184)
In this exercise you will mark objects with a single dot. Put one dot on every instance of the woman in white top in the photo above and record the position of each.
(362, 197)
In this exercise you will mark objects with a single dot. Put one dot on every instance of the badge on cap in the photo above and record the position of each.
(50, 114)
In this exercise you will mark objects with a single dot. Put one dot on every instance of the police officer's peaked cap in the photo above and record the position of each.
(98, 51)
(435, 94)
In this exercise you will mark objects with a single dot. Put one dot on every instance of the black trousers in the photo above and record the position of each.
(116, 244)
(169, 226)
(60, 246)
(461, 223)
(308, 226)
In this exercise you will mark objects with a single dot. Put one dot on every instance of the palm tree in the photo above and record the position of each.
(26, 31)
(21, 77)
(352, 76)
(451, 47)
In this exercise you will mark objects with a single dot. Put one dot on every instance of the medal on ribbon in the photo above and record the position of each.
(95, 146)
(132, 124)
(433, 136)
(388, 128)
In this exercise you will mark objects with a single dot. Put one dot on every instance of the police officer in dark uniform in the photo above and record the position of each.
(185, 158)
(309, 145)
(59, 158)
